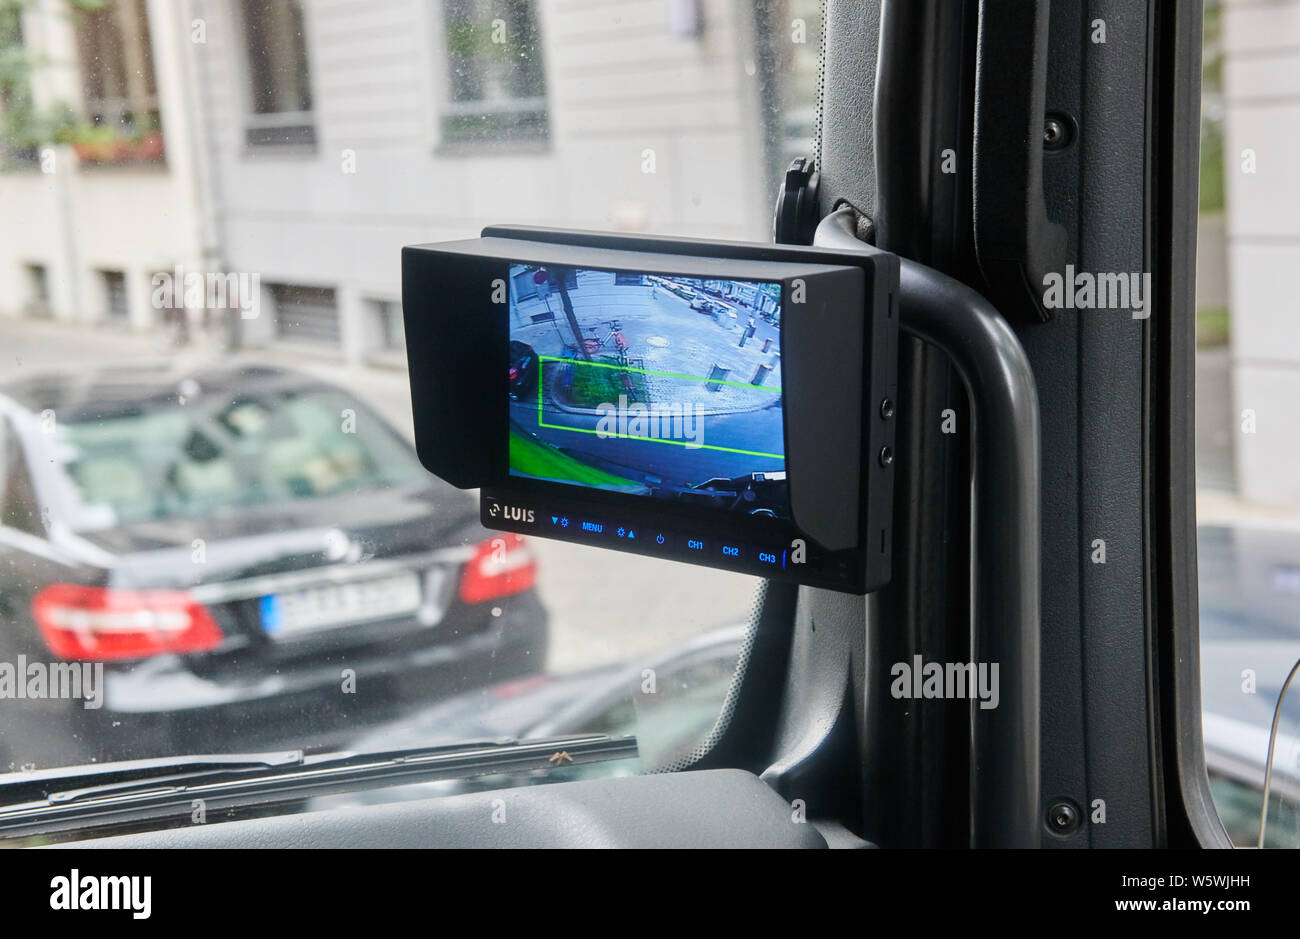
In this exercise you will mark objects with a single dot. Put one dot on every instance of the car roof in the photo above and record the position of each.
(108, 391)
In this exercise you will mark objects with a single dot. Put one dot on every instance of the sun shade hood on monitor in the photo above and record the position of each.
(837, 356)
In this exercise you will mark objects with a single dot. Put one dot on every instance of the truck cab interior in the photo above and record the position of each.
(1037, 168)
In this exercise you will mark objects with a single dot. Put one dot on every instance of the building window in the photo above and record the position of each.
(118, 86)
(279, 80)
(306, 314)
(497, 89)
(386, 334)
(18, 130)
(392, 332)
(38, 288)
(115, 299)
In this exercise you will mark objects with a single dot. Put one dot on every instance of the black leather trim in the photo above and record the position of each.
(707, 809)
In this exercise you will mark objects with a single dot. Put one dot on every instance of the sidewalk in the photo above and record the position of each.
(1216, 507)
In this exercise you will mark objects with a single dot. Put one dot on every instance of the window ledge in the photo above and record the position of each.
(287, 151)
(151, 167)
(490, 148)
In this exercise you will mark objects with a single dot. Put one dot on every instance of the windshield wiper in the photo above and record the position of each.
(48, 783)
(137, 790)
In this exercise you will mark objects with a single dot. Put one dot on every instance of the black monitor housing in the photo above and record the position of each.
(721, 403)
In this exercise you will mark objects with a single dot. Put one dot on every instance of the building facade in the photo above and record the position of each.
(307, 141)
(90, 214)
(1261, 89)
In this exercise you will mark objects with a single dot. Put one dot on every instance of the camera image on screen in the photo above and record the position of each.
(648, 384)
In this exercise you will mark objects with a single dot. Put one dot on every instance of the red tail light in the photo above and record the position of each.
(511, 689)
(102, 624)
(501, 566)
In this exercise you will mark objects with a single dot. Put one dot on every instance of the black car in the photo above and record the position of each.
(256, 557)
(524, 371)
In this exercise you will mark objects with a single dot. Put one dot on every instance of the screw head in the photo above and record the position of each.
(1058, 131)
(886, 456)
(887, 409)
(1063, 817)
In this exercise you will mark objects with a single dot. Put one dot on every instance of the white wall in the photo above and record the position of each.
(1262, 113)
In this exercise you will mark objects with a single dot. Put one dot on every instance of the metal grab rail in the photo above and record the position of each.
(1005, 523)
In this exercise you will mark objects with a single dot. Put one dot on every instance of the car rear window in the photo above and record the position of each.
(186, 460)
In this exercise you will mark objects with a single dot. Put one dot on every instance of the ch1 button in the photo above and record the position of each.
(693, 545)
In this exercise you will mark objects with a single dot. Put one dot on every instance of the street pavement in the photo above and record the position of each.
(606, 606)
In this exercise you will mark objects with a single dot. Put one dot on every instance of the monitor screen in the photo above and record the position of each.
(649, 384)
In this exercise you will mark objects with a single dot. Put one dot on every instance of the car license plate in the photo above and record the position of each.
(335, 605)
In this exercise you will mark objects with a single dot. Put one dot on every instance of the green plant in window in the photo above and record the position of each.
(25, 128)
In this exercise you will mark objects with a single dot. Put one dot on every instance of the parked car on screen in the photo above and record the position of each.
(236, 545)
(524, 371)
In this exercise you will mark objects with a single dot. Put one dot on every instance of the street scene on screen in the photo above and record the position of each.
(650, 384)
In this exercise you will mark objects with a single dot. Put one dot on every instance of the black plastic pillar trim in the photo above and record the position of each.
(946, 313)
(1017, 244)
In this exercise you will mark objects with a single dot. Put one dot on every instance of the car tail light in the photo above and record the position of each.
(501, 566)
(512, 689)
(103, 624)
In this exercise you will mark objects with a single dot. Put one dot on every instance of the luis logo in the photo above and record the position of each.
(510, 513)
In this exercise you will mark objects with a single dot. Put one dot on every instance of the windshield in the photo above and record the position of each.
(212, 516)
(1247, 502)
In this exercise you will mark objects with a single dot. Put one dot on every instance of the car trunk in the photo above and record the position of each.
(303, 582)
